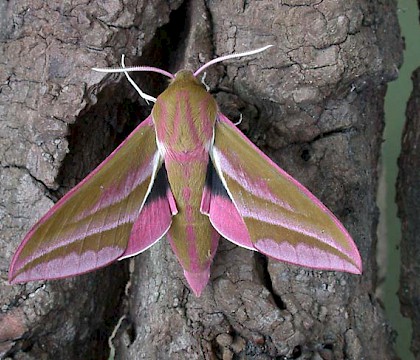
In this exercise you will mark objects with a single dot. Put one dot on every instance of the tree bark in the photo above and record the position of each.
(408, 195)
(313, 103)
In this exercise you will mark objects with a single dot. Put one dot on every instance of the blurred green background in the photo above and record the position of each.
(390, 227)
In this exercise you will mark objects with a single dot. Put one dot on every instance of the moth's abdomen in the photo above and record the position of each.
(191, 234)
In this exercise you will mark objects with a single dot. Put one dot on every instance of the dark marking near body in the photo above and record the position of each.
(214, 183)
(160, 186)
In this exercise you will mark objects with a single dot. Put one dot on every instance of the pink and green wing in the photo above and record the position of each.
(103, 218)
(155, 217)
(257, 205)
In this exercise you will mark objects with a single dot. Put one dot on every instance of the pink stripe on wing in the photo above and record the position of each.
(62, 267)
(301, 188)
(298, 226)
(75, 234)
(303, 254)
(147, 123)
(119, 192)
(255, 186)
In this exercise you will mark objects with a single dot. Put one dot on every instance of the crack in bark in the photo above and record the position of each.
(46, 190)
(265, 277)
(18, 300)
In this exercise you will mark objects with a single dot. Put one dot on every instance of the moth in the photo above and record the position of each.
(186, 173)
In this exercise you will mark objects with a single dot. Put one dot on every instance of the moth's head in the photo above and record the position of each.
(185, 77)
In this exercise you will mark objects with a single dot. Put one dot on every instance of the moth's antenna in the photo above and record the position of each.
(239, 121)
(125, 70)
(145, 96)
(136, 68)
(231, 56)
(203, 78)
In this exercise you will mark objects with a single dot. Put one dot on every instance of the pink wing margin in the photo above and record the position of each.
(269, 210)
(98, 221)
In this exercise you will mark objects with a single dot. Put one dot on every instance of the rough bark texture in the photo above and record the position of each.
(408, 195)
(314, 103)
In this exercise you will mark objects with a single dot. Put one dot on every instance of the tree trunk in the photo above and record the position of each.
(313, 103)
(408, 195)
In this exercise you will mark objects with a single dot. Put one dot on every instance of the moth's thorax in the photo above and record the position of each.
(184, 116)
